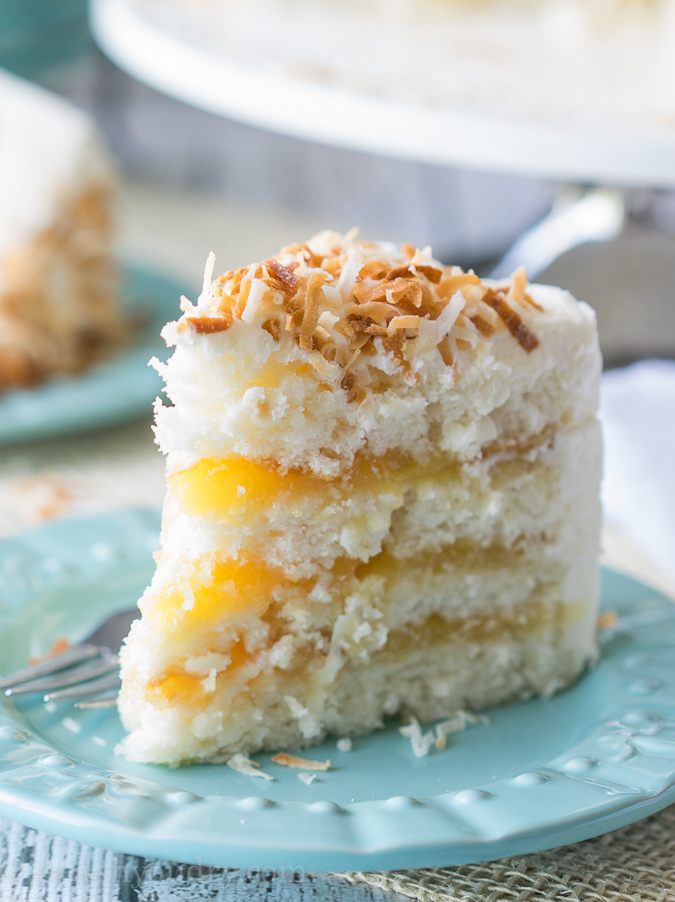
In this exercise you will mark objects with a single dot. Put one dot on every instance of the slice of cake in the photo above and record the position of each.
(382, 498)
(57, 279)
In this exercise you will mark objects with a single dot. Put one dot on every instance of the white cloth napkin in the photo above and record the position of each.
(637, 410)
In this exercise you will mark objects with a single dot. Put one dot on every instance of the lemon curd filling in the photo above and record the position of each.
(236, 486)
(209, 610)
(209, 605)
(213, 594)
(531, 618)
(226, 487)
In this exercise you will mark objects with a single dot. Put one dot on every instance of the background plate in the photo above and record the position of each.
(539, 774)
(117, 389)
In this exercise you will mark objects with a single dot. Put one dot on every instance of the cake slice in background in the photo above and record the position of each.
(382, 499)
(58, 287)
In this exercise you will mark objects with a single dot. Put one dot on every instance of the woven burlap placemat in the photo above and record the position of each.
(633, 864)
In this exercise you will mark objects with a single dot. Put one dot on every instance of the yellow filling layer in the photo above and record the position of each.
(215, 594)
(205, 605)
(220, 604)
(222, 486)
(527, 619)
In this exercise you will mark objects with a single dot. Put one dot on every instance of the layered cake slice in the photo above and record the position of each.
(58, 289)
(382, 499)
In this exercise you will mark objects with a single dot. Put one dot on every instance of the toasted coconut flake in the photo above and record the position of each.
(405, 322)
(375, 269)
(325, 369)
(242, 298)
(468, 336)
(360, 340)
(377, 292)
(204, 325)
(518, 286)
(457, 282)
(416, 294)
(400, 272)
(273, 327)
(285, 275)
(376, 329)
(327, 319)
(301, 763)
(311, 313)
(431, 273)
(348, 381)
(375, 310)
(525, 338)
(289, 322)
(529, 300)
(401, 286)
(393, 340)
(484, 327)
(345, 328)
(329, 352)
(445, 351)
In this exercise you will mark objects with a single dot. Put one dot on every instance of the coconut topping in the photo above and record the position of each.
(294, 761)
(343, 301)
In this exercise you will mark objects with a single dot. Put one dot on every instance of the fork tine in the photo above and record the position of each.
(95, 667)
(106, 699)
(74, 655)
(84, 689)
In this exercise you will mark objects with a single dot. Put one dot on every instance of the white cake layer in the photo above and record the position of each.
(256, 408)
(296, 708)
(354, 615)
(505, 500)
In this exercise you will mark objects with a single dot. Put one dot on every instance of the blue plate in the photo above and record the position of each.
(117, 389)
(539, 774)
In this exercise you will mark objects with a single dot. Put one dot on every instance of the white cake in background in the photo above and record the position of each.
(57, 278)
(382, 499)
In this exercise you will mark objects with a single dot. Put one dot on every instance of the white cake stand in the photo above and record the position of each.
(610, 151)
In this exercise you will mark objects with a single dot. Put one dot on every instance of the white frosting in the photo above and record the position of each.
(501, 389)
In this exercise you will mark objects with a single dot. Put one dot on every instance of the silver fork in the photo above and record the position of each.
(89, 668)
